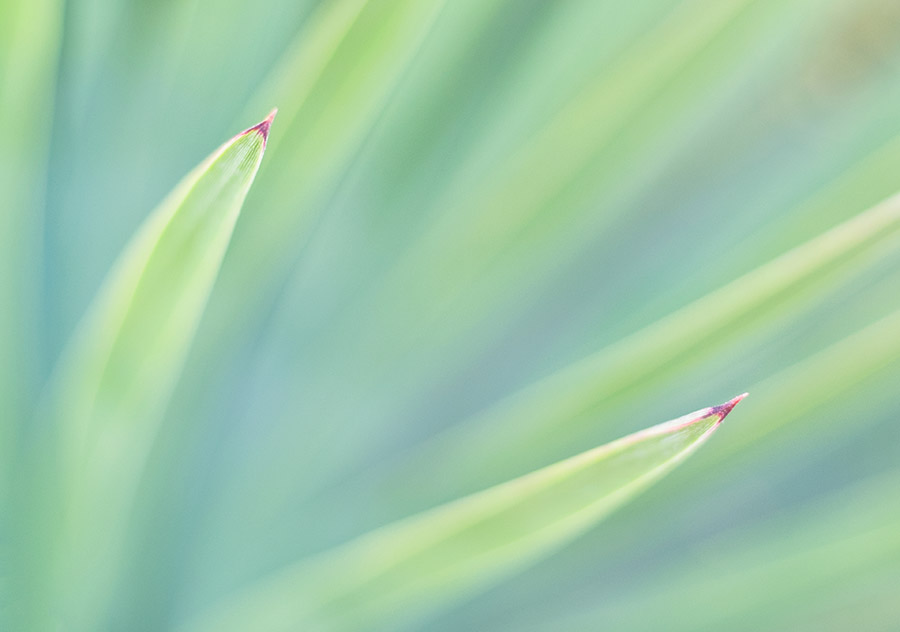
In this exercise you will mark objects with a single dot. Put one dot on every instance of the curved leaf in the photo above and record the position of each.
(107, 399)
(413, 566)
(529, 419)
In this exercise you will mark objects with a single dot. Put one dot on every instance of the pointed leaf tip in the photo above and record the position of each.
(722, 410)
(263, 126)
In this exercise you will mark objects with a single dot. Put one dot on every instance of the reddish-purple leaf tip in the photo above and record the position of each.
(262, 128)
(722, 410)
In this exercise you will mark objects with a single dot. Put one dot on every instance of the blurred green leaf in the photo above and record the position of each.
(491, 234)
(29, 44)
(407, 569)
(465, 198)
(495, 225)
(811, 555)
(331, 84)
(529, 420)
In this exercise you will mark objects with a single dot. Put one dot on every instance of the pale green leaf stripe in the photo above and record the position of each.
(481, 219)
(522, 188)
(415, 565)
(302, 65)
(822, 379)
(466, 249)
(29, 43)
(126, 354)
(786, 562)
(787, 408)
(470, 219)
(531, 417)
(788, 402)
(113, 385)
(370, 46)
(29, 46)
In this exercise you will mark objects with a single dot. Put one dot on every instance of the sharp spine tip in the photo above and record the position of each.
(263, 126)
(722, 410)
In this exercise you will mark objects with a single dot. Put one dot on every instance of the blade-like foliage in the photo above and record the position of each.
(369, 46)
(107, 400)
(636, 363)
(484, 228)
(494, 233)
(809, 554)
(29, 42)
(409, 568)
(29, 45)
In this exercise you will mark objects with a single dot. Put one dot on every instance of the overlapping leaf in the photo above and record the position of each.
(403, 570)
(105, 405)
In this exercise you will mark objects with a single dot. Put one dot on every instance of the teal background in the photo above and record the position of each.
(459, 199)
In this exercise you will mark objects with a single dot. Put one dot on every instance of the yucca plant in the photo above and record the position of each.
(364, 389)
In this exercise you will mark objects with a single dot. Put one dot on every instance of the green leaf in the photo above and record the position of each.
(109, 395)
(29, 46)
(411, 567)
(808, 554)
(369, 46)
(526, 424)
(490, 235)
(30, 39)
(125, 357)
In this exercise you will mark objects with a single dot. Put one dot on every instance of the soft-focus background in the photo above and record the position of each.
(460, 198)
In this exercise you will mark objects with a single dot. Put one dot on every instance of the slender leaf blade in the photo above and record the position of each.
(108, 397)
(526, 423)
(29, 55)
(413, 566)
